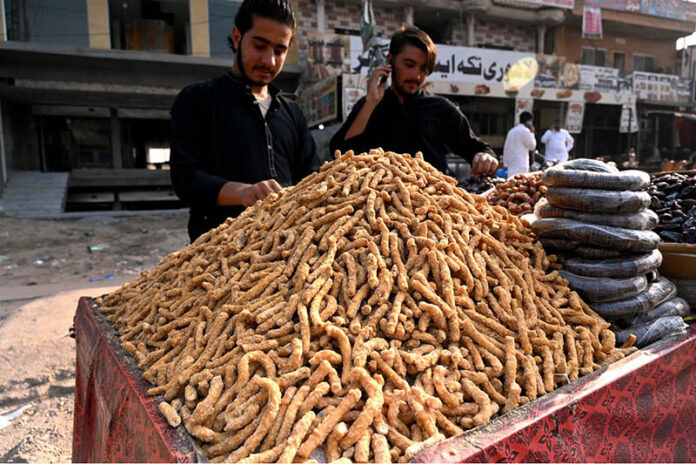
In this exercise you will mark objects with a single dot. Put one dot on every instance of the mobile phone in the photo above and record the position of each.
(383, 79)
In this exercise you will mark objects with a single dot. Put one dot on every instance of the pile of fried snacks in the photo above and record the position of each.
(371, 311)
(519, 194)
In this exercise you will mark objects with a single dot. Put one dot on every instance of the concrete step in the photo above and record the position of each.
(34, 194)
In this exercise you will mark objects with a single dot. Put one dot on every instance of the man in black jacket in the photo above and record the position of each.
(234, 139)
(405, 119)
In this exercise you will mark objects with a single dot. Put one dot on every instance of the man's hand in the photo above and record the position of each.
(484, 164)
(236, 193)
(377, 84)
(258, 191)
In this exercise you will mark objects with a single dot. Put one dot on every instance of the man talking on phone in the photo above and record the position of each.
(405, 119)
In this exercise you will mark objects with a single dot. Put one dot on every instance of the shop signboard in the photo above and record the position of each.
(672, 9)
(466, 64)
(684, 88)
(574, 117)
(507, 74)
(597, 78)
(319, 101)
(521, 105)
(353, 90)
(661, 87)
(454, 64)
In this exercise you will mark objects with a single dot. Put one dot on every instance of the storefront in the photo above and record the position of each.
(492, 87)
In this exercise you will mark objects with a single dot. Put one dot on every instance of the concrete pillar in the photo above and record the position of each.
(116, 153)
(293, 56)
(408, 14)
(3, 25)
(3, 162)
(200, 32)
(541, 38)
(321, 16)
(98, 24)
(470, 28)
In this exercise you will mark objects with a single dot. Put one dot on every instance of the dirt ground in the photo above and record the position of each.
(45, 266)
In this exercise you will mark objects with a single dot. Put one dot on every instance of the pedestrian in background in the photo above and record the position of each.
(558, 143)
(519, 141)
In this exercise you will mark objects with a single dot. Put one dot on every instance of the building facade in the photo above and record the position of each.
(88, 84)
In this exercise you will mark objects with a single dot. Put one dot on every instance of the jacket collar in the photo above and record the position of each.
(240, 83)
(391, 93)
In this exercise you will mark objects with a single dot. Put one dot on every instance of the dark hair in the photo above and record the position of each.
(411, 35)
(278, 10)
(526, 116)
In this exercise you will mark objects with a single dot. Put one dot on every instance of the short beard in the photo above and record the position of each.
(398, 90)
(240, 65)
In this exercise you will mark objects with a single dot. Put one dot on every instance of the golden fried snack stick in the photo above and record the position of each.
(318, 435)
(373, 406)
(332, 449)
(298, 433)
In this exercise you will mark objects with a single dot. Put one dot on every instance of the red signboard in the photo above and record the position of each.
(591, 23)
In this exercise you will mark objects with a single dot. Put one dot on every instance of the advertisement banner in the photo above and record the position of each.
(319, 101)
(455, 64)
(521, 105)
(551, 72)
(501, 73)
(353, 90)
(629, 118)
(672, 9)
(597, 78)
(359, 59)
(466, 64)
(661, 87)
(552, 3)
(591, 23)
(574, 116)
(620, 5)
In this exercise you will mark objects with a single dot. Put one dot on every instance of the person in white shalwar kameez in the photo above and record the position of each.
(558, 143)
(518, 143)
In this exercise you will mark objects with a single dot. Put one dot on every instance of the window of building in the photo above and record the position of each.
(594, 56)
(221, 14)
(620, 61)
(56, 22)
(158, 158)
(149, 25)
(643, 62)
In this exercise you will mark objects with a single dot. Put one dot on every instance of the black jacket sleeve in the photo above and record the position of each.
(462, 140)
(307, 160)
(360, 143)
(190, 146)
